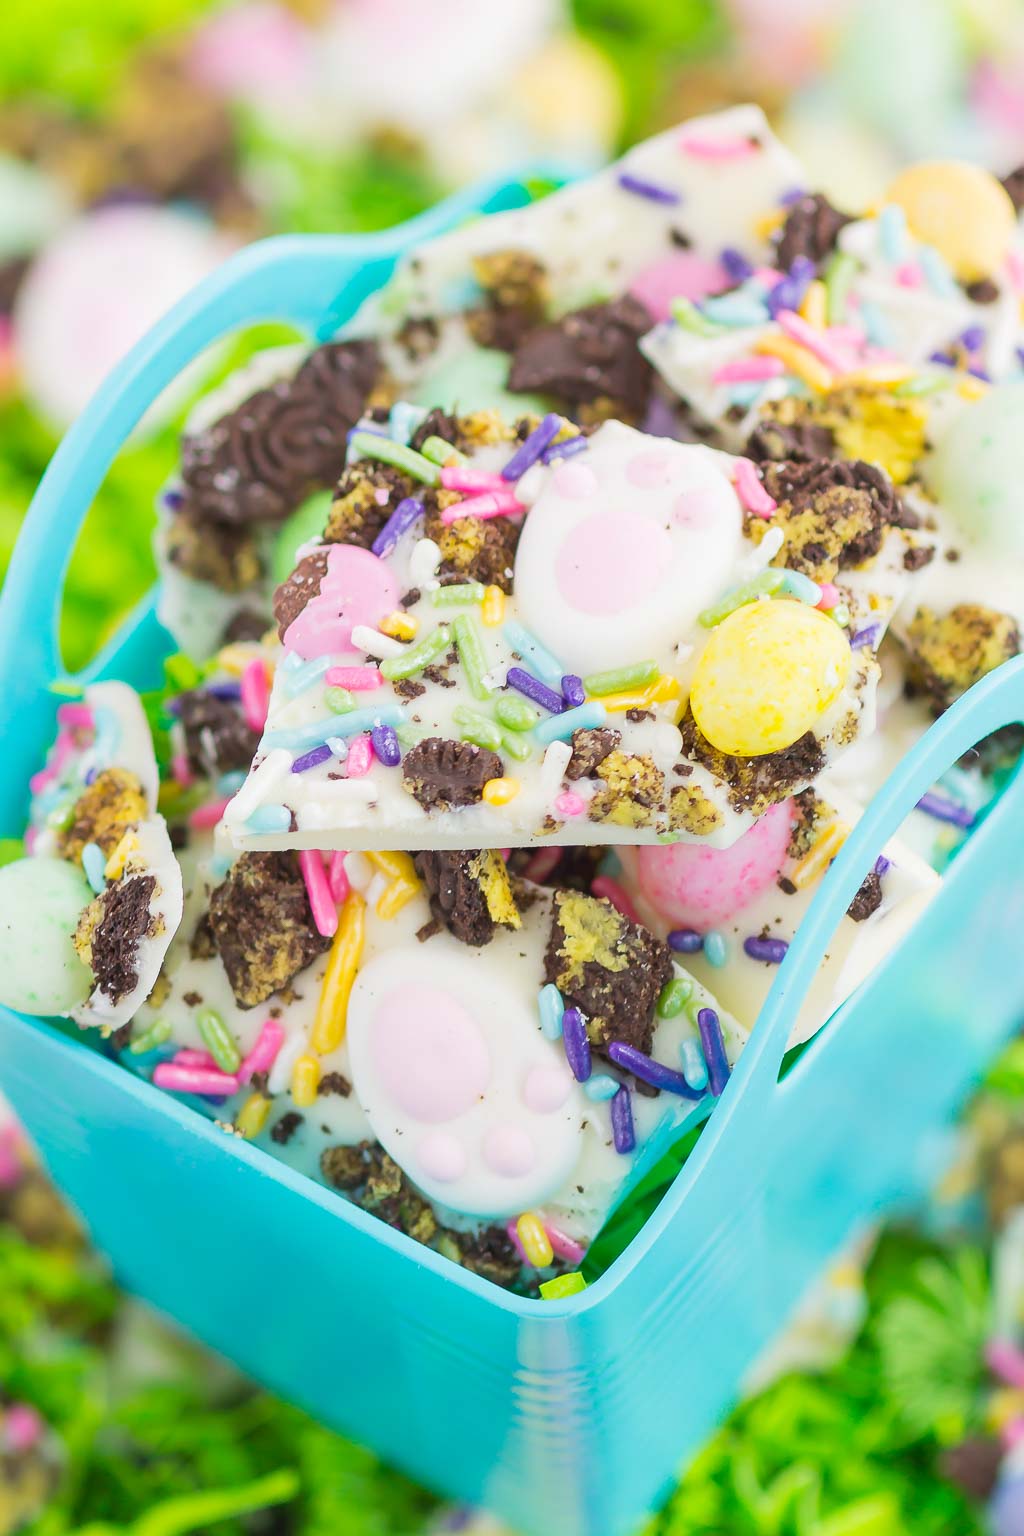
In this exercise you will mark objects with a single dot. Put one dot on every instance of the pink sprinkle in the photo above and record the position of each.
(321, 903)
(63, 747)
(564, 1246)
(909, 275)
(22, 1427)
(458, 478)
(1012, 1433)
(42, 780)
(490, 504)
(748, 370)
(360, 757)
(829, 596)
(199, 1059)
(181, 771)
(815, 341)
(513, 1237)
(718, 149)
(846, 335)
(567, 805)
(194, 1080)
(206, 816)
(542, 864)
(768, 276)
(506, 854)
(1015, 269)
(77, 717)
(611, 890)
(750, 490)
(355, 679)
(1006, 1361)
(337, 879)
(255, 694)
(264, 1053)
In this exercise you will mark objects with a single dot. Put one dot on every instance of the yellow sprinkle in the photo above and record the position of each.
(877, 373)
(814, 308)
(535, 1241)
(662, 689)
(253, 1115)
(817, 858)
(397, 866)
(500, 791)
(400, 626)
(970, 388)
(235, 658)
(395, 896)
(492, 610)
(114, 867)
(768, 223)
(797, 360)
(342, 964)
(305, 1081)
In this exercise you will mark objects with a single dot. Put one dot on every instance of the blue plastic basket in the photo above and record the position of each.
(570, 1416)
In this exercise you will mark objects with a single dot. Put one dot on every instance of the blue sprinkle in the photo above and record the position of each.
(560, 727)
(269, 818)
(892, 233)
(937, 275)
(735, 309)
(716, 951)
(745, 395)
(226, 691)
(94, 863)
(686, 941)
(564, 449)
(297, 679)
(719, 1070)
(301, 737)
(876, 325)
(695, 1068)
(797, 585)
(601, 1087)
(404, 420)
(551, 1007)
(219, 865)
(531, 650)
(230, 783)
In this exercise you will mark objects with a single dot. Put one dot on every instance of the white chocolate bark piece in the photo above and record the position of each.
(754, 897)
(710, 180)
(624, 564)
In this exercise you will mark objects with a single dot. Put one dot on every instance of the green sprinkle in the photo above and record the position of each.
(563, 1285)
(216, 1037)
(409, 735)
(839, 274)
(690, 318)
(620, 678)
(796, 584)
(458, 592)
(675, 995)
(476, 728)
(841, 614)
(515, 713)
(418, 656)
(65, 688)
(339, 700)
(439, 452)
(924, 384)
(61, 818)
(370, 446)
(761, 585)
(517, 745)
(471, 654)
(157, 1034)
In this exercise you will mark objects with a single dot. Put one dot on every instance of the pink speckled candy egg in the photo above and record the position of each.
(696, 887)
(682, 275)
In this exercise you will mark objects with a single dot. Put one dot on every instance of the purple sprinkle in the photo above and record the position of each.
(312, 758)
(223, 690)
(572, 690)
(977, 372)
(564, 450)
(577, 1044)
(403, 517)
(173, 500)
(862, 637)
(373, 432)
(649, 1071)
(945, 358)
(973, 337)
(945, 810)
(714, 1049)
(530, 451)
(789, 293)
(736, 264)
(525, 682)
(882, 865)
(90, 775)
(385, 744)
(687, 941)
(772, 951)
(1020, 356)
(650, 189)
(791, 196)
(623, 1133)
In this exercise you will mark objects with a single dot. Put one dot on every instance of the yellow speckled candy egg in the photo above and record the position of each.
(960, 209)
(767, 674)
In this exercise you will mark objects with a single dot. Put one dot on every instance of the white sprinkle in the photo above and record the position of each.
(274, 768)
(376, 888)
(423, 562)
(556, 760)
(373, 643)
(281, 1072)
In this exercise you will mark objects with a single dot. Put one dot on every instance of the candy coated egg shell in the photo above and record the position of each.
(975, 471)
(961, 210)
(41, 901)
(692, 886)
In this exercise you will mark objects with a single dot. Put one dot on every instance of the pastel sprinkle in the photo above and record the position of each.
(560, 727)
(471, 655)
(942, 809)
(400, 625)
(253, 1116)
(600, 1088)
(816, 342)
(206, 816)
(771, 951)
(715, 948)
(538, 656)
(749, 370)
(737, 309)
(623, 1134)
(456, 593)
(718, 149)
(439, 452)
(796, 584)
(492, 610)
(686, 941)
(487, 504)
(620, 678)
(577, 1044)
(649, 189)
(564, 448)
(342, 964)
(269, 818)
(457, 477)
(608, 889)
(477, 728)
(714, 1049)
(515, 714)
(562, 1286)
(204, 1081)
(385, 745)
(937, 274)
(404, 419)
(318, 890)
(312, 759)
(409, 509)
(305, 1081)
(573, 691)
(565, 1247)
(829, 596)
(630, 1059)
(674, 996)
(360, 757)
(337, 878)
(296, 680)
(764, 584)
(218, 1040)
(94, 863)
(535, 1241)
(353, 724)
(151, 1039)
(532, 688)
(500, 791)
(255, 693)
(750, 491)
(530, 450)
(357, 679)
(551, 1008)
(694, 1066)
(339, 700)
(417, 656)
(369, 446)
(517, 745)
(567, 806)
(689, 318)
(264, 1052)
(892, 233)
(839, 275)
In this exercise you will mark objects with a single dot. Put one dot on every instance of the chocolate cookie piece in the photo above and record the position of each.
(245, 625)
(478, 549)
(110, 931)
(868, 899)
(632, 789)
(217, 738)
(589, 748)
(469, 892)
(437, 423)
(834, 513)
(374, 1181)
(611, 969)
(489, 1253)
(811, 229)
(365, 497)
(262, 926)
(799, 442)
(755, 783)
(516, 286)
(285, 1128)
(221, 554)
(299, 589)
(334, 1083)
(444, 775)
(103, 812)
(949, 652)
(588, 355)
(1014, 185)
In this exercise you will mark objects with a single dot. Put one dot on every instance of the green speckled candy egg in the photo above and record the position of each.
(475, 380)
(41, 901)
(975, 471)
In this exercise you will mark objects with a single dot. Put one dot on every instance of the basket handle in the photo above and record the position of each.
(996, 701)
(314, 281)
